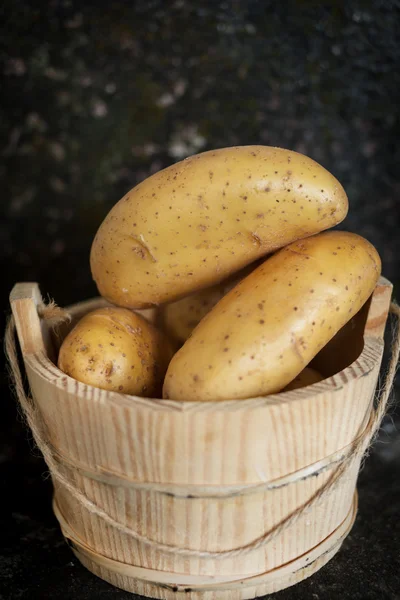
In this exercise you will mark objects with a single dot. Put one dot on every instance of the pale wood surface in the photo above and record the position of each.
(214, 444)
(25, 299)
(209, 587)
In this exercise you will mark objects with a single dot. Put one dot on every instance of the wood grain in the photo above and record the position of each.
(187, 444)
(176, 586)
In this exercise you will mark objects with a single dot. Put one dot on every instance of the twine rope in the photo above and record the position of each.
(196, 491)
(37, 426)
(177, 582)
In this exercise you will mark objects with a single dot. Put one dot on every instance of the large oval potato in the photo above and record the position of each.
(116, 349)
(193, 224)
(269, 327)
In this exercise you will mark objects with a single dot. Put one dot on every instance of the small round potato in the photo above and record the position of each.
(116, 349)
(307, 377)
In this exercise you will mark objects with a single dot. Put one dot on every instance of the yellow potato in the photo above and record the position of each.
(116, 349)
(307, 377)
(269, 327)
(195, 223)
(179, 318)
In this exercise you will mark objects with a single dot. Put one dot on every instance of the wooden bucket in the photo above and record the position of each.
(187, 494)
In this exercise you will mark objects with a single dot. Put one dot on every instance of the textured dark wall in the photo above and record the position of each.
(95, 96)
(97, 99)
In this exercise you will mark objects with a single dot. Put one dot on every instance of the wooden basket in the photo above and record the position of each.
(189, 478)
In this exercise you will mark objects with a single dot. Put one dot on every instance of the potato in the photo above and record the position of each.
(116, 349)
(269, 327)
(195, 223)
(306, 377)
(179, 318)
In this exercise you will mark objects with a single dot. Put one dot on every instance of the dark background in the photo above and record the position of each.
(96, 96)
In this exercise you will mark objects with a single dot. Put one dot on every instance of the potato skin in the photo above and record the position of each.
(178, 319)
(268, 328)
(195, 223)
(307, 376)
(118, 350)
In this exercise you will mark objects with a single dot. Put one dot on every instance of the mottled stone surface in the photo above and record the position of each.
(96, 96)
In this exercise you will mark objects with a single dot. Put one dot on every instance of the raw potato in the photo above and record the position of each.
(179, 318)
(269, 327)
(307, 377)
(195, 223)
(116, 349)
